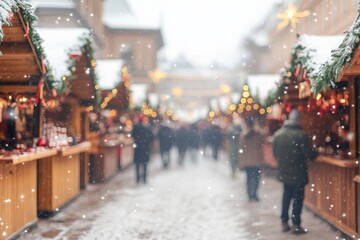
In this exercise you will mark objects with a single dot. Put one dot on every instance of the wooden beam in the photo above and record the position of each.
(18, 89)
(17, 57)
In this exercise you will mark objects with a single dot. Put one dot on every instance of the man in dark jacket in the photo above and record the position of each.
(142, 136)
(166, 140)
(292, 148)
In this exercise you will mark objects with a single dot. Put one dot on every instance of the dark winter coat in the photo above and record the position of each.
(142, 137)
(194, 138)
(182, 137)
(166, 138)
(292, 148)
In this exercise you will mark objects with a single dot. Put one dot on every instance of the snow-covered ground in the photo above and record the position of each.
(197, 201)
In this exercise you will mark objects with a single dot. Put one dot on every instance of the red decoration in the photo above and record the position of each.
(75, 55)
(54, 93)
(11, 15)
(304, 74)
(297, 70)
(43, 65)
(27, 30)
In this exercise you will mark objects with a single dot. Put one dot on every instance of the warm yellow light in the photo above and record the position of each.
(157, 75)
(268, 109)
(225, 88)
(93, 63)
(114, 91)
(318, 96)
(250, 100)
(112, 113)
(262, 111)
(342, 101)
(256, 106)
(290, 16)
(177, 91)
(154, 115)
(246, 87)
(243, 100)
(97, 87)
(240, 110)
(63, 78)
(248, 108)
(169, 112)
(246, 94)
(232, 107)
(211, 114)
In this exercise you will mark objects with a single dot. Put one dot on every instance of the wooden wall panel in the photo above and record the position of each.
(103, 164)
(331, 194)
(17, 197)
(59, 182)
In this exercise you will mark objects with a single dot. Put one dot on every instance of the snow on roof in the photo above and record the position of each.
(57, 46)
(131, 14)
(319, 48)
(51, 4)
(108, 72)
(261, 84)
(138, 93)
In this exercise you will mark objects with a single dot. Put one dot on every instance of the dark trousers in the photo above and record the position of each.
(165, 156)
(141, 172)
(297, 194)
(252, 181)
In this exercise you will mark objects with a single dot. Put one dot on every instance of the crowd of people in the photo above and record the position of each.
(243, 140)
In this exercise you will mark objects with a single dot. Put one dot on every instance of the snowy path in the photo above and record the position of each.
(197, 201)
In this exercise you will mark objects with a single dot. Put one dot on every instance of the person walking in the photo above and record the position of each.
(182, 143)
(233, 137)
(142, 137)
(194, 142)
(292, 148)
(166, 140)
(251, 158)
(216, 140)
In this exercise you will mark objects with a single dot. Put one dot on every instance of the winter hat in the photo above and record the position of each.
(294, 115)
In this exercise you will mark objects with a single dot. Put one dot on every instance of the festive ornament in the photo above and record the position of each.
(75, 55)
(27, 30)
(290, 16)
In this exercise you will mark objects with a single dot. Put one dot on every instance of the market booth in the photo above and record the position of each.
(112, 145)
(329, 117)
(65, 119)
(343, 71)
(22, 82)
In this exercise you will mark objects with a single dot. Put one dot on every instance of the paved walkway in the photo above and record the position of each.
(196, 201)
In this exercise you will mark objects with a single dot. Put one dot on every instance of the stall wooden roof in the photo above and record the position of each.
(351, 69)
(82, 84)
(20, 68)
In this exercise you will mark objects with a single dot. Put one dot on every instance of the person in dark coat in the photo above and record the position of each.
(142, 136)
(233, 137)
(216, 139)
(182, 143)
(194, 142)
(292, 148)
(166, 140)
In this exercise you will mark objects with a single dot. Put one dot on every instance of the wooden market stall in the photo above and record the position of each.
(62, 176)
(22, 81)
(329, 117)
(112, 145)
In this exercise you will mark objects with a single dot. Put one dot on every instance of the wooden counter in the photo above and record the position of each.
(59, 179)
(18, 191)
(331, 192)
(104, 160)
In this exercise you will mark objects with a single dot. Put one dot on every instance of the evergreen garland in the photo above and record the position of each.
(329, 72)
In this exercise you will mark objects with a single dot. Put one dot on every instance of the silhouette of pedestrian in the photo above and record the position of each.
(142, 136)
(166, 140)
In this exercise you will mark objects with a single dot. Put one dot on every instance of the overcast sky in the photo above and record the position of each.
(207, 30)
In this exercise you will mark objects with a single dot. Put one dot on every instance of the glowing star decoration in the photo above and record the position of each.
(290, 16)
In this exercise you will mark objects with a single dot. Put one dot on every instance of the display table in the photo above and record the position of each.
(331, 192)
(18, 191)
(104, 160)
(59, 179)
